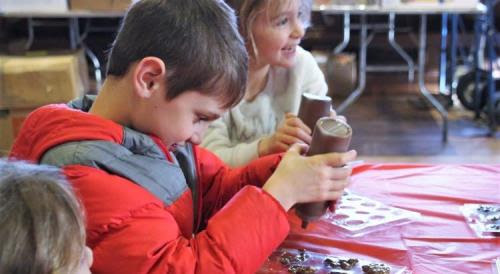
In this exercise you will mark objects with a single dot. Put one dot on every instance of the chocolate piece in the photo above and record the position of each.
(376, 269)
(495, 218)
(331, 262)
(487, 209)
(288, 259)
(340, 263)
(353, 261)
(303, 256)
(348, 264)
(494, 227)
(285, 261)
(345, 265)
(298, 269)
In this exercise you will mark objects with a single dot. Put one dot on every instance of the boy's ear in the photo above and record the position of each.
(149, 75)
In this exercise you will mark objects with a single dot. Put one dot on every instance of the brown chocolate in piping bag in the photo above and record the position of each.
(312, 107)
(329, 135)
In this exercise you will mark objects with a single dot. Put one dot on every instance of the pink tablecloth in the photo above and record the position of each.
(439, 242)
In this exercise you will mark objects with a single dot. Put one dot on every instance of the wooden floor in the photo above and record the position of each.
(391, 123)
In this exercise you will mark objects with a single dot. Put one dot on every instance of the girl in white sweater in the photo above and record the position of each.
(265, 121)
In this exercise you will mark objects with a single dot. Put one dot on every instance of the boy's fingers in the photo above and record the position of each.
(337, 185)
(297, 149)
(339, 159)
(340, 173)
(349, 156)
(335, 195)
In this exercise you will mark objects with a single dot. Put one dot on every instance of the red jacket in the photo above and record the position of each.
(130, 230)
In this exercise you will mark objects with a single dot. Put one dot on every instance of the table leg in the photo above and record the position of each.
(490, 42)
(31, 34)
(347, 34)
(77, 39)
(478, 55)
(421, 77)
(453, 53)
(97, 66)
(362, 67)
(74, 32)
(442, 63)
(397, 47)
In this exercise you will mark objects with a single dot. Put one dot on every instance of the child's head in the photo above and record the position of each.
(182, 63)
(272, 28)
(42, 228)
(197, 40)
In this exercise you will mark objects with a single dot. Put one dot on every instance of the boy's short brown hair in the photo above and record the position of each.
(197, 39)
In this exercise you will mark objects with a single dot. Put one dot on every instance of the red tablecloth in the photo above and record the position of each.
(439, 242)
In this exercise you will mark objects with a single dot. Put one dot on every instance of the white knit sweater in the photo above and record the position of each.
(235, 136)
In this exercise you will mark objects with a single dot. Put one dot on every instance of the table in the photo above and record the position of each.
(76, 34)
(439, 242)
(415, 8)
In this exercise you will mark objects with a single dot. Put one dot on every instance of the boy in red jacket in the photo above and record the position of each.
(155, 201)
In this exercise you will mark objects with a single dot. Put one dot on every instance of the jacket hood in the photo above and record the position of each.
(56, 124)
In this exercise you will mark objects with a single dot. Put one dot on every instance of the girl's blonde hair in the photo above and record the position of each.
(41, 222)
(247, 11)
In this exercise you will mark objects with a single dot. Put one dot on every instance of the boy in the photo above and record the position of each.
(155, 201)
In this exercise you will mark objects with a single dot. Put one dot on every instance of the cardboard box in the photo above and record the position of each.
(28, 82)
(33, 6)
(100, 5)
(11, 121)
(6, 137)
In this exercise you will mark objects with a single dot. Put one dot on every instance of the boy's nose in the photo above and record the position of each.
(196, 138)
(198, 133)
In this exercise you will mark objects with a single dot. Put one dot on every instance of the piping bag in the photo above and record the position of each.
(329, 135)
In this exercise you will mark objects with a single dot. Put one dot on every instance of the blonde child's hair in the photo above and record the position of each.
(41, 222)
(247, 11)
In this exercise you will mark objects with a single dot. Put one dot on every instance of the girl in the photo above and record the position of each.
(265, 122)
(42, 228)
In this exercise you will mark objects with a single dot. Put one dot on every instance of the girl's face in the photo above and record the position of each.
(276, 34)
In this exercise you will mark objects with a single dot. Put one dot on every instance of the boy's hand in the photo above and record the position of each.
(300, 179)
(292, 131)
